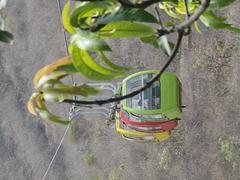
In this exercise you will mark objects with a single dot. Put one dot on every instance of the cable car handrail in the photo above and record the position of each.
(103, 111)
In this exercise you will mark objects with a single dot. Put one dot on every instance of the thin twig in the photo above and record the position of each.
(186, 9)
(148, 84)
(159, 17)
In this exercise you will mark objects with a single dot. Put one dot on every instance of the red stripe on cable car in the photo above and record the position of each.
(165, 126)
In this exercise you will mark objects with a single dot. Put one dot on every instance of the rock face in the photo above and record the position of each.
(206, 144)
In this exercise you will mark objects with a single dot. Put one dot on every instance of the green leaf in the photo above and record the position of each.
(46, 115)
(169, 11)
(41, 110)
(161, 42)
(126, 14)
(234, 29)
(52, 76)
(89, 61)
(59, 94)
(87, 8)
(6, 37)
(52, 83)
(55, 91)
(31, 105)
(50, 68)
(126, 29)
(84, 63)
(164, 45)
(215, 4)
(89, 41)
(90, 89)
(151, 40)
(111, 65)
(197, 27)
(172, 1)
(213, 21)
(66, 19)
(69, 68)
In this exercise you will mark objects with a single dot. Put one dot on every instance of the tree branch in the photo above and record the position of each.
(187, 23)
(148, 84)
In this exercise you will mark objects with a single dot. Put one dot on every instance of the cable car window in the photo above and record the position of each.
(148, 99)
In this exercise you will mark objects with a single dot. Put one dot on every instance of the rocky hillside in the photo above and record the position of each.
(206, 144)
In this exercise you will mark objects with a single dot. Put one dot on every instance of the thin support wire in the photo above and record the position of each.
(64, 32)
(55, 154)
(71, 113)
(72, 108)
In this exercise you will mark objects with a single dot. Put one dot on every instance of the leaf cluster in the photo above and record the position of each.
(92, 23)
(50, 88)
(178, 10)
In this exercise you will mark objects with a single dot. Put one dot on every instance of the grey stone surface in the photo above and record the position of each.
(209, 70)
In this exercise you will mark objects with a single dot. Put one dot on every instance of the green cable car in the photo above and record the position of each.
(161, 101)
(153, 112)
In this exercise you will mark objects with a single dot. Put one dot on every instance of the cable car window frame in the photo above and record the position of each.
(139, 102)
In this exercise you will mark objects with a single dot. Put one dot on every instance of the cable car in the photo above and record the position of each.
(152, 114)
